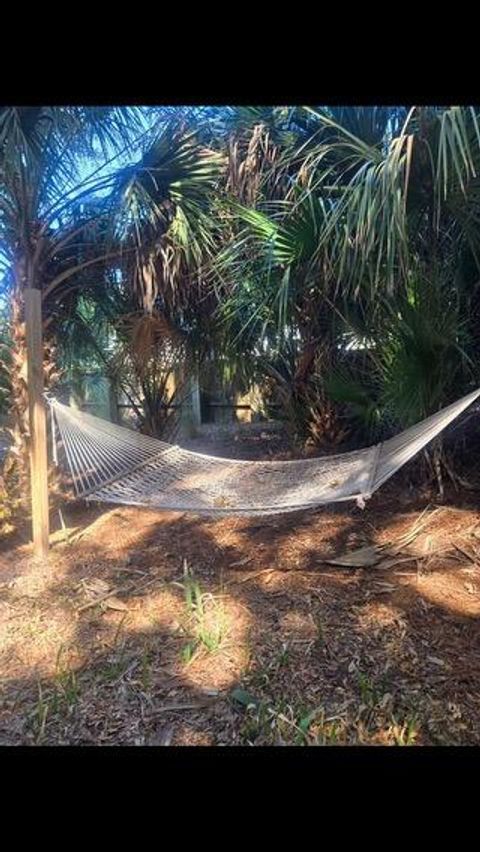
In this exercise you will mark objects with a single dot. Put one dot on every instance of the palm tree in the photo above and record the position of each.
(407, 223)
(166, 217)
(379, 211)
(276, 277)
(42, 156)
(152, 300)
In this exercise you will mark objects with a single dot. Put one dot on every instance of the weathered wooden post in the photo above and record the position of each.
(196, 407)
(38, 422)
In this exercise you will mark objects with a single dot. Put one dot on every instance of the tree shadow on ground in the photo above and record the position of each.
(323, 654)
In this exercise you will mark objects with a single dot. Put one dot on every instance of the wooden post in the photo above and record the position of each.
(113, 401)
(196, 407)
(38, 422)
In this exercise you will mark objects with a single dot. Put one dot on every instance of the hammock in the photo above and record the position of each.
(113, 464)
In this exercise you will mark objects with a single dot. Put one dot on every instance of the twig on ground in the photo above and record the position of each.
(116, 591)
(167, 708)
(251, 576)
(100, 599)
(465, 553)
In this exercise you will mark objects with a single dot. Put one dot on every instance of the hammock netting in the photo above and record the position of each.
(114, 464)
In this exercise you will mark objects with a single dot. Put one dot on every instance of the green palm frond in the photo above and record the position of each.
(162, 208)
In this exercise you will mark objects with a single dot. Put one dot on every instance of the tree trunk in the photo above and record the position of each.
(38, 423)
(17, 465)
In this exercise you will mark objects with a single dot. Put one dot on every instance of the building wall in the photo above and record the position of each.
(199, 402)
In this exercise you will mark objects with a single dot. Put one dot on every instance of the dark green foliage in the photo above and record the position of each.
(330, 253)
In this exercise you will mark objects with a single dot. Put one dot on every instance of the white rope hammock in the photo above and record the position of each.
(113, 464)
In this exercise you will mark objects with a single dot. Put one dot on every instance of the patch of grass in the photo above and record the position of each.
(40, 715)
(206, 619)
(258, 678)
(118, 663)
(262, 675)
(66, 688)
(119, 629)
(331, 733)
(284, 655)
(305, 722)
(188, 651)
(314, 729)
(62, 695)
(406, 732)
(259, 719)
(259, 722)
(282, 722)
(114, 668)
(368, 690)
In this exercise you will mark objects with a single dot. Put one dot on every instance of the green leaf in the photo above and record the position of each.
(244, 698)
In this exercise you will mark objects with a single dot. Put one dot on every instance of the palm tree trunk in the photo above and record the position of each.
(321, 425)
(18, 463)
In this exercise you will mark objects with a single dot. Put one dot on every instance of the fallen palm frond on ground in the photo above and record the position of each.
(389, 553)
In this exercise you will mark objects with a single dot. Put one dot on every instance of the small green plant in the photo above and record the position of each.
(66, 685)
(283, 721)
(315, 729)
(329, 734)
(259, 678)
(284, 655)
(188, 651)
(115, 668)
(70, 689)
(405, 734)
(251, 727)
(119, 629)
(367, 690)
(320, 640)
(206, 618)
(259, 721)
(304, 724)
(40, 715)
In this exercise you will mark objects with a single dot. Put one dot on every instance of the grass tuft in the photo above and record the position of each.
(206, 623)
